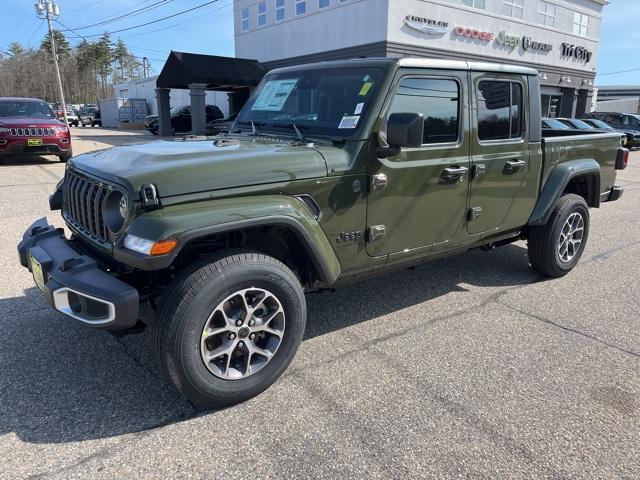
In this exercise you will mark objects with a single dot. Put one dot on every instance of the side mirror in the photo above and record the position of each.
(405, 130)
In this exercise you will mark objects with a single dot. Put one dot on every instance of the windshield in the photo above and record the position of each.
(177, 110)
(579, 124)
(329, 102)
(553, 123)
(25, 108)
(600, 124)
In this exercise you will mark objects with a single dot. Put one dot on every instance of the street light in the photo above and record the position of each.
(47, 9)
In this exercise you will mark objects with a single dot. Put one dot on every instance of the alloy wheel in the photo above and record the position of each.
(242, 334)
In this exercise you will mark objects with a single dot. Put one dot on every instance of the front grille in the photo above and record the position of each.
(32, 132)
(82, 208)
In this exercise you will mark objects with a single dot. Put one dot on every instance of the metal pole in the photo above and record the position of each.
(55, 63)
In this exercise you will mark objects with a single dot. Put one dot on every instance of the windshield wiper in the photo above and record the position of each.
(254, 130)
(297, 129)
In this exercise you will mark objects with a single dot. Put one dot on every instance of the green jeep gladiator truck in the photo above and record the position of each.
(332, 172)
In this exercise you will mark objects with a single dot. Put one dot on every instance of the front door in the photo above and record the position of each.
(418, 198)
(500, 155)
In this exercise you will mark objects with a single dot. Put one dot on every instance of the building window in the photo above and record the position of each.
(499, 110)
(301, 7)
(513, 8)
(546, 13)
(262, 14)
(323, 3)
(580, 24)
(437, 100)
(245, 19)
(279, 10)
(473, 3)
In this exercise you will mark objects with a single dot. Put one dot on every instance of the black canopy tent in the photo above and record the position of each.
(198, 73)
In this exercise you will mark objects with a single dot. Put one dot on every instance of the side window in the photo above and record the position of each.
(500, 112)
(437, 100)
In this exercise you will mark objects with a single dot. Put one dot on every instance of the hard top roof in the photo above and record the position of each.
(417, 62)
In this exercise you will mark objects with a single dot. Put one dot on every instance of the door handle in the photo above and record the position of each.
(513, 166)
(453, 173)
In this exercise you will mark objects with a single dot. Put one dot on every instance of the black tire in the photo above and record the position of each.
(65, 157)
(544, 241)
(189, 302)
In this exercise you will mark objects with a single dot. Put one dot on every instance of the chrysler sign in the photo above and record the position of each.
(426, 25)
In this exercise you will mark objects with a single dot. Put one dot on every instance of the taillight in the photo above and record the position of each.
(622, 159)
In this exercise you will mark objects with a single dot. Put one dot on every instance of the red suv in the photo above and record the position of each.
(28, 126)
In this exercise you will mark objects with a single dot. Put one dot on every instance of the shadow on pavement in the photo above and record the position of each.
(64, 382)
(28, 160)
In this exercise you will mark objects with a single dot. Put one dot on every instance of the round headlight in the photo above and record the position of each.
(115, 210)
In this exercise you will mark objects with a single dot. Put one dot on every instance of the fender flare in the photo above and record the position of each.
(189, 222)
(557, 182)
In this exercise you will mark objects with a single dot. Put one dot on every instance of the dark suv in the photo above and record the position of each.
(181, 119)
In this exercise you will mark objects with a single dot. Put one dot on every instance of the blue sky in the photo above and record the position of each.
(210, 30)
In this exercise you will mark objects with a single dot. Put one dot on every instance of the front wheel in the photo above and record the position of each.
(229, 327)
(556, 247)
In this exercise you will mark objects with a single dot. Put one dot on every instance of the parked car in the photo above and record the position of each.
(181, 119)
(357, 169)
(554, 124)
(628, 121)
(221, 125)
(632, 136)
(579, 124)
(90, 116)
(28, 126)
(72, 117)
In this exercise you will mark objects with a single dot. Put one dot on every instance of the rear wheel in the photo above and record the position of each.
(556, 247)
(229, 327)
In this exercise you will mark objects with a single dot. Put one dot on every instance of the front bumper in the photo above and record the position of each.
(73, 283)
(50, 146)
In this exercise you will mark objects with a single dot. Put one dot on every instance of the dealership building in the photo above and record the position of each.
(559, 38)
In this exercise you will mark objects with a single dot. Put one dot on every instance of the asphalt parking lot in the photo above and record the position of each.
(469, 367)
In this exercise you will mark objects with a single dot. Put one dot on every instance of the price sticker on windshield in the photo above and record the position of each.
(366, 86)
(349, 121)
(273, 95)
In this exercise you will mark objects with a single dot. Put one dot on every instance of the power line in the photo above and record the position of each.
(168, 27)
(621, 71)
(85, 7)
(153, 21)
(126, 15)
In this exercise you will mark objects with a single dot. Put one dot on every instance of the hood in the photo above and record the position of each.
(29, 122)
(182, 167)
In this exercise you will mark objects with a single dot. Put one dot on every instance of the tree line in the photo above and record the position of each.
(88, 70)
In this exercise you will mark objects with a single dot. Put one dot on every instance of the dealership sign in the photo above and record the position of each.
(579, 53)
(473, 33)
(426, 25)
(527, 43)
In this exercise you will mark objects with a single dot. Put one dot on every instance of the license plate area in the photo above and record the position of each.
(34, 142)
(40, 263)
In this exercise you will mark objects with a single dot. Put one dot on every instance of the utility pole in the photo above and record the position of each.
(48, 9)
(145, 61)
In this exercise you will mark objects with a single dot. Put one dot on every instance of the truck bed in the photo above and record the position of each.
(601, 147)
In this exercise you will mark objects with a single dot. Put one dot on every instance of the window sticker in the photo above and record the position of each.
(358, 109)
(274, 94)
(349, 121)
(366, 86)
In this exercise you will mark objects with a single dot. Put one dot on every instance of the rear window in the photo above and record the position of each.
(23, 108)
(500, 114)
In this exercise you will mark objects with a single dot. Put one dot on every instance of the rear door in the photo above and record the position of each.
(500, 150)
(421, 196)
